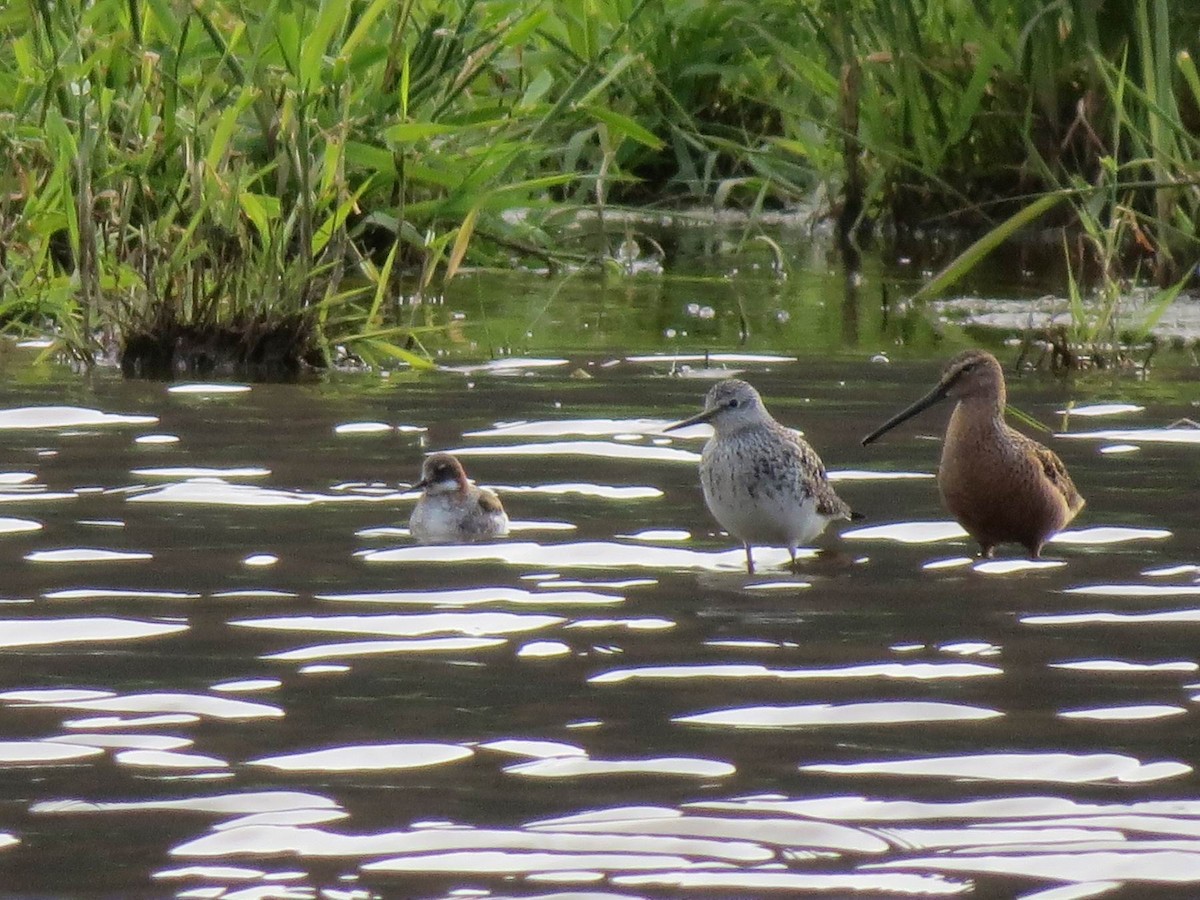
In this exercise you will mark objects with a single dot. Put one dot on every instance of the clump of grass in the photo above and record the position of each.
(192, 172)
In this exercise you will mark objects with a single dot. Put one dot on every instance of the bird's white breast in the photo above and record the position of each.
(450, 518)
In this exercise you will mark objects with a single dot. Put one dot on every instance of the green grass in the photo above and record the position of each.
(314, 167)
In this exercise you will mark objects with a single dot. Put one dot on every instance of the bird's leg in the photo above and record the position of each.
(749, 560)
(792, 551)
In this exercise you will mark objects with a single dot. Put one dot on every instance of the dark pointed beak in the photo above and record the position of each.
(935, 396)
(694, 420)
(420, 485)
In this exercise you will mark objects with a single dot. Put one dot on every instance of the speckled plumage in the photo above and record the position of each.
(451, 509)
(1000, 485)
(762, 482)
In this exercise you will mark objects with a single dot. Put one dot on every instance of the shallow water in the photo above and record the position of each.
(228, 671)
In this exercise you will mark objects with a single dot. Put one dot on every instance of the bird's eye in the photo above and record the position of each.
(733, 403)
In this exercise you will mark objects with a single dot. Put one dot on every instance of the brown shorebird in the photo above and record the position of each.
(1001, 486)
(452, 510)
(761, 481)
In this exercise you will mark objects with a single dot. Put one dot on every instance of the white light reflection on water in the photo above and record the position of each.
(125, 741)
(85, 554)
(1136, 713)
(210, 873)
(475, 624)
(202, 472)
(1108, 534)
(156, 439)
(603, 449)
(533, 749)
(218, 492)
(1102, 409)
(952, 562)
(367, 758)
(580, 767)
(26, 417)
(1179, 616)
(707, 358)
(514, 525)
(866, 475)
(561, 848)
(598, 583)
(496, 862)
(33, 753)
(586, 554)
(1137, 590)
(1061, 768)
(749, 883)
(121, 722)
(1137, 864)
(658, 534)
(41, 632)
(167, 759)
(116, 594)
(933, 532)
(1139, 435)
(10, 525)
(237, 804)
(908, 532)
(47, 695)
(970, 648)
(645, 624)
(918, 671)
(350, 649)
(602, 491)
(201, 705)
(1013, 566)
(209, 388)
(25, 493)
(363, 428)
(1167, 571)
(543, 650)
(509, 365)
(818, 714)
(247, 686)
(1124, 666)
(564, 427)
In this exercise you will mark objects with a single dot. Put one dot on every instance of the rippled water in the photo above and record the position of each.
(228, 672)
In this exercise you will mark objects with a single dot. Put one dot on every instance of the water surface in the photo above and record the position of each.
(228, 671)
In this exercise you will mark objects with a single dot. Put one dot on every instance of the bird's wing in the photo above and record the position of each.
(828, 502)
(1056, 472)
(489, 502)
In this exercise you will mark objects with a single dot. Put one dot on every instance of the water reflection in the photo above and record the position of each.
(231, 634)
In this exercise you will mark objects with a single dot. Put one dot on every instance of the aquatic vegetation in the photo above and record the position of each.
(220, 178)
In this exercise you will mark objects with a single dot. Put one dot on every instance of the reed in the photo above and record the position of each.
(310, 170)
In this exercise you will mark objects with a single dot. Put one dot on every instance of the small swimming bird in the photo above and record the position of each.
(762, 482)
(451, 509)
(1002, 487)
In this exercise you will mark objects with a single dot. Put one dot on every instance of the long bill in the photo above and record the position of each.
(935, 396)
(694, 420)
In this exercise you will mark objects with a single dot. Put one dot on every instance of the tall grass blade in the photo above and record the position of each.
(965, 261)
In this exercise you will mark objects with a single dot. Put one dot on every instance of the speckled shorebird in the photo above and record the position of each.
(761, 481)
(1001, 486)
(451, 509)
